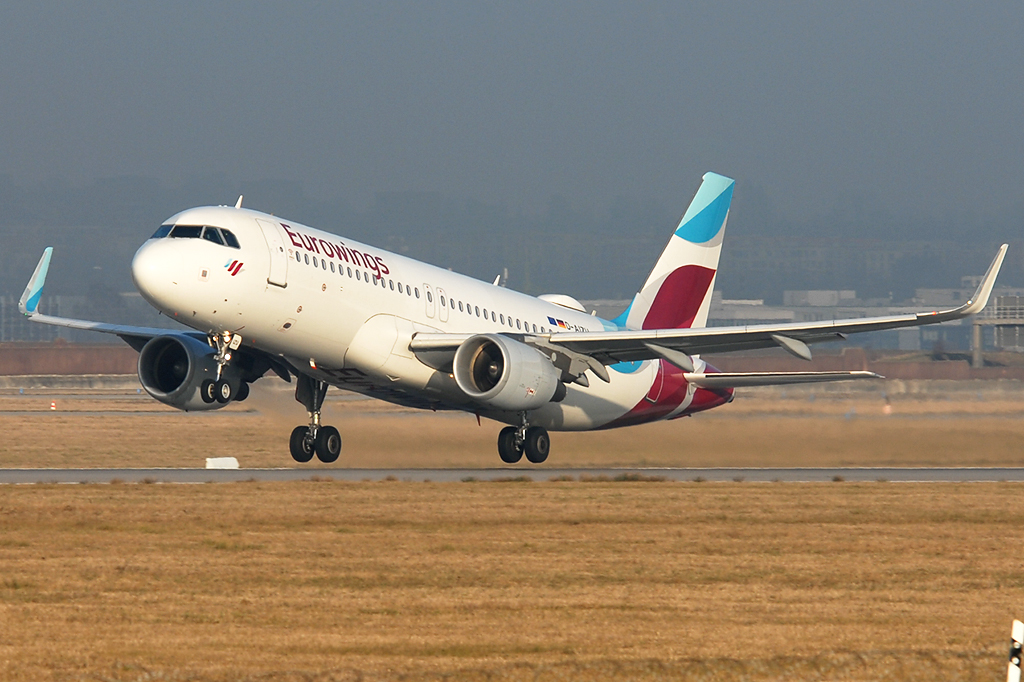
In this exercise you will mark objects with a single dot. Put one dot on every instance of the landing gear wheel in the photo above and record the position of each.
(301, 444)
(243, 392)
(206, 391)
(507, 449)
(328, 444)
(222, 391)
(537, 444)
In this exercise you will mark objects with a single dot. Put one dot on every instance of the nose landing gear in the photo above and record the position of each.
(219, 389)
(305, 441)
(514, 442)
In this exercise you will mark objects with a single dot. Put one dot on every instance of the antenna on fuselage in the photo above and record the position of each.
(238, 204)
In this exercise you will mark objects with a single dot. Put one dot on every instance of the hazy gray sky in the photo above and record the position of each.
(915, 106)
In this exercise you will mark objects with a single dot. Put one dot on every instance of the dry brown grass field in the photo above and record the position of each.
(976, 424)
(509, 581)
(325, 580)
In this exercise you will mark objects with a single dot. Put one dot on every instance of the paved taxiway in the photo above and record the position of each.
(792, 475)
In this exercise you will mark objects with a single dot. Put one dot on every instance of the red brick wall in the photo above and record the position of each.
(69, 359)
(62, 358)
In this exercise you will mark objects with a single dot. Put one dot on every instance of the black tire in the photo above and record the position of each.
(222, 391)
(206, 391)
(243, 392)
(300, 446)
(328, 444)
(507, 449)
(537, 444)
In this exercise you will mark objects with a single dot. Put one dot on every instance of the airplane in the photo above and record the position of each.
(259, 294)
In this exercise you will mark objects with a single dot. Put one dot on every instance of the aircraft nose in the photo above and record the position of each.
(153, 272)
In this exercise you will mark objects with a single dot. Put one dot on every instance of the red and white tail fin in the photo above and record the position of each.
(677, 293)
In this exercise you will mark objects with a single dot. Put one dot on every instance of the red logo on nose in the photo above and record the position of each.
(234, 267)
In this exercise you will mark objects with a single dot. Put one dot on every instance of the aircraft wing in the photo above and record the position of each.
(595, 350)
(627, 346)
(136, 337)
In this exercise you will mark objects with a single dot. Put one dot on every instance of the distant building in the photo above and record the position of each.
(819, 297)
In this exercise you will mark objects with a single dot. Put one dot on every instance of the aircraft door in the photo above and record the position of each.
(428, 297)
(442, 314)
(278, 274)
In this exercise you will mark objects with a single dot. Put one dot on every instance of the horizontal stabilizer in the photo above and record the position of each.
(739, 379)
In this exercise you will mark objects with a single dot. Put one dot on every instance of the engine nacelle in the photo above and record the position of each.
(172, 367)
(506, 374)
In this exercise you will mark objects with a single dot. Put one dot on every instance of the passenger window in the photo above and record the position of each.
(485, 313)
(400, 288)
(315, 264)
(349, 271)
(502, 316)
(430, 298)
(534, 329)
(230, 240)
(210, 234)
(417, 290)
(460, 306)
(443, 305)
(332, 267)
(391, 284)
(186, 231)
(519, 324)
(477, 308)
(358, 275)
(306, 256)
(162, 231)
(493, 319)
(298, 256)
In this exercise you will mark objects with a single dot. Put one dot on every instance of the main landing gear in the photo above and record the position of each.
(323, 441)
(515, 441)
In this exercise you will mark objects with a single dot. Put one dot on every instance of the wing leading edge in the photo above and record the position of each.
(136, 337)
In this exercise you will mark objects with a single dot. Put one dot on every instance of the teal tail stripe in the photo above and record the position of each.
(706, 214)
(33, 302)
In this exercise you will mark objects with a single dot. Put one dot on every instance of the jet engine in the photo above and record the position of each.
(172, 368)
(506, 374)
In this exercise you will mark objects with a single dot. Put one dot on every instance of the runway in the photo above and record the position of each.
(738, 475)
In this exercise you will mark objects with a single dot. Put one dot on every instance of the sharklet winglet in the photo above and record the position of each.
(29, 302)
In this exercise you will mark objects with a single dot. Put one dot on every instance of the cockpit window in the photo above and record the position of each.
(230, 240)
(186, 231)
(211, 234)
(207, 232)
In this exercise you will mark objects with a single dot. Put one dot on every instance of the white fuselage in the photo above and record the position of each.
(346, 312)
